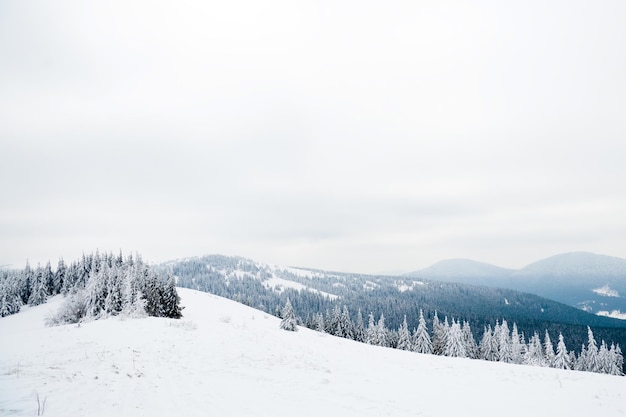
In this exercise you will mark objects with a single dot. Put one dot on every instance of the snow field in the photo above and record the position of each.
(226, 359)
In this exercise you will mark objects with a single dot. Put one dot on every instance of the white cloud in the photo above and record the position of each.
(348, 136)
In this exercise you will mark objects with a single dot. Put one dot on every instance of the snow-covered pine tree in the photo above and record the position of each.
(486, 345)
(359, 328)
(319, 323)
(39, 290)
(371, 333)
(548, 349)
(59, 277)
(517, 353)
(440, 335)
(505, 350)
(381, 331)
(5, 306)
(170, 302)
(618, 360)
(404, 337)
(347, 327)
(495, 340)
(48, 279)
(592, 361)
(421, 338)
(334, 322)
(289, 321)
(561, 359)
(534, 355)
(581, 361)
(604, 358)
(471, 348)
(454, 342)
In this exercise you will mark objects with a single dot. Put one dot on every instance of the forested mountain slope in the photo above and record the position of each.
(594, 283)
(311, 291)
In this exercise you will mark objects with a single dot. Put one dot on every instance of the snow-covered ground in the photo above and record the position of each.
(606, 291)
(225, 359)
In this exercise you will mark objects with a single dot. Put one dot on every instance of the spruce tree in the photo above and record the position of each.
(381, 332)
(421, 338)
(170, 302)
(359, 328)
(404, 337)
(505, 350)
(561, 359)
(548, 349)
(534, 356)
(347, 328)
(486, 345)
(471, 347)
(592, 361)
(371, 333)
(454, 342)
(59, 277)
(517, 353)
(289, 321)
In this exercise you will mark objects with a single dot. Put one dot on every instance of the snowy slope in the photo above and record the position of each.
(226, 359)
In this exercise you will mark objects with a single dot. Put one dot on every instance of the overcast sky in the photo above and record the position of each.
(360, 136)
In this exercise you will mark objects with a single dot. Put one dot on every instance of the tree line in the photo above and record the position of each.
(455, 339)
(96, 286)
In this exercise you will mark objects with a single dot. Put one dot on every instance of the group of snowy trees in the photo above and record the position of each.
(456, 339)
(96, 286)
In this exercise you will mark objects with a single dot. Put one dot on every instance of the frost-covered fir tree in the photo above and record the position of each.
(486, 346)
(170, 302)
(505, 351)
(495, 340)
(592, 361)
(548, 349)
(289, 321)
(534, 355)
(319, 323)
(59, 277)
(471, 348)
(381, 331)
(346, 326)
(454, 342)
(604, 357)
(561, 359)
(581, 361)
(334, 322)
(371, 333)
(617, 360)
(404, 337)
(421, 338)
(440, 335)
(517, 352)
(359, 327)
(39, 291)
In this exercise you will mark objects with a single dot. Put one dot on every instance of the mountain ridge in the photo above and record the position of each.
(580, 279)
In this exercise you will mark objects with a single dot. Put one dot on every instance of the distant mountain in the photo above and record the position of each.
(464, 270)
(267, 288)
(594, 283)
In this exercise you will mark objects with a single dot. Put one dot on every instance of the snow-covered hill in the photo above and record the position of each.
(230, 360)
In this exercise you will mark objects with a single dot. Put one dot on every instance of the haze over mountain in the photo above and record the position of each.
(595, 283)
